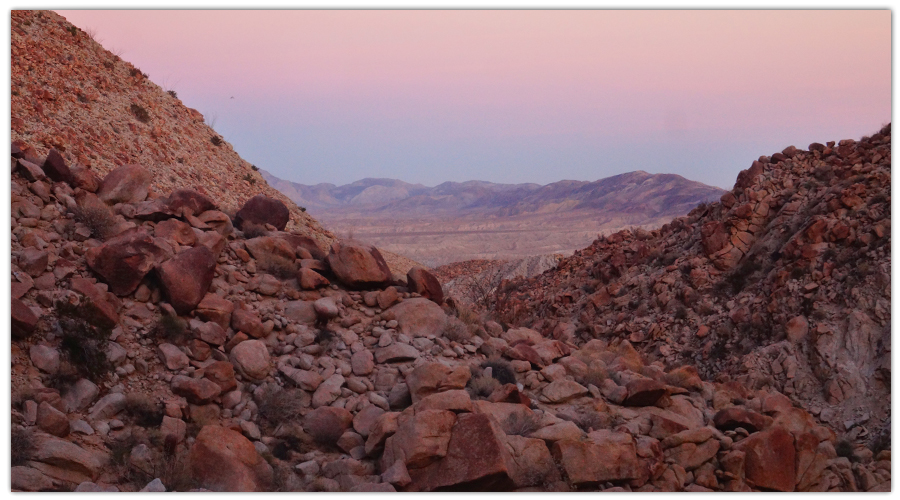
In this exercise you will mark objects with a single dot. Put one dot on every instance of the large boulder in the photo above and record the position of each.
(186, 277)
(75, 461)
(224, 460)
(770, 459)
(123, 261)
(358, 265)
(216, 309)
(419, 317)
(262, 210)
(126, 184)
(177, 231)
(326, 424)
(420, 439)
(101, 308)
(607, 456)
(425, 284)
(431, 378)
(301, 243)
(263, 247)
(476, 459)
(182, 200)
(197, 391)
(24, 320)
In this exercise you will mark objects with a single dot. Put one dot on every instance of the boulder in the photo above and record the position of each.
(251, 359)
(262, 210)
(80, 395)
(198, 391)
(328, 391)
(186, 277)
(531, 460)
(430, 378)
(247, 321)
(396, 352)
(607, 456)
(177, 231)
(644, 392)
(326, 424)
(419, 317)
(310, 280)
(456, 400)
(562, 391)
(222, 374)
(69, 457)
(44, 358)
(123, 261)
(357, 265)
(216, 309)
(84, 178)
(476, 459)
(300, 311)
(266, 247)
(125, 184)
(420, 281)
(362, 363)
(733, 417)
(173, 357)
(55, 167)
(224, 460)
(301, 243)
(182, 200)
(24, 321)
(365, 419)
(211, 333)
(770, 459)
(33, 261)
(51, 420)
(219, 221)
(420, 439)
(326, 309)
(102, 307)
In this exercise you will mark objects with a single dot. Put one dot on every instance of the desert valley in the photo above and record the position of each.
(182, 320)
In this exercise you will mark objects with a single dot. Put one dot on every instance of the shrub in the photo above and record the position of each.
(98, 219)
(254, 168)
(83, 344)
(172, 93)
(467, 315)
(482, 387)
(217, 141)
(21, 445)
(521, 423)
(455, 330)
(143, 410)
(171, 328)
(252, 230)
(501, 370)
(278, 266)
(738, 278)
(324, 337)
(277, 405)
(844, 448)
(595, 377)
(590, 420)
(140, 113)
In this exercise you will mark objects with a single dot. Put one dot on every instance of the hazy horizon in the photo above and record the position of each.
(513, 96)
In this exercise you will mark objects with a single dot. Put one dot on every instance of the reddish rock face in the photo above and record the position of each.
(476, 460)
(222, 374)
(305, 243)
(244, 320)
(421, 439)
(55, 167)
(216, 309)
(613, 458)
(266, 246)
(425, 284)
(263, 210)
(197, 391)
(126, 184)
(358, 266)
(182, 199)
(714, 236)
(430, 378)
(419, 317)
(186, 277)
(224, 460)
(123, 261)
(176, 231)
(85, 179)
(746, 177)
(770, 459)
(310, 280)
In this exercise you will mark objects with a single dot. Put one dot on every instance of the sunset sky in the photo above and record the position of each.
(514, 96)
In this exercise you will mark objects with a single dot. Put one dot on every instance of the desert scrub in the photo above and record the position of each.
(217, 141)
(98, 219)
(482, 387)
(83, 344)
(171, 328)
(455, 330)
(501, 371)
(21, 445)
(278, 266)
(140, 113)
(521, 424)
(277, 406)
(252, 230)
(144, 410)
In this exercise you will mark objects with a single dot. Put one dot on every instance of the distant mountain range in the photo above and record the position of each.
(635, 194)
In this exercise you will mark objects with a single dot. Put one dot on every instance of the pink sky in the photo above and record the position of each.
(514, 96)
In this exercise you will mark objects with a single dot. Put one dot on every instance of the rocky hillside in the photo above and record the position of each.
(783, 284)
(161, 344)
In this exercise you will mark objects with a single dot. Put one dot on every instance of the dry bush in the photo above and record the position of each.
(521, 423)
(83, 344)
(21, 445)
(98, 219)
(455, 330)
(277, 405)
(278, 266)
(482, 387)
(252, 230)
(144, 410)
(171, 328)
(501, 370)
(595, 377)
(284, 479)
(138, 111)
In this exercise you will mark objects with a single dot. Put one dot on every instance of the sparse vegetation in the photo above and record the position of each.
(140, 113)
(249, 178)
(738, 278)
(844, 448)
(521, 423)
(172, 328)
(217, 141)
(278, 266)
(277, 405)
(254, 168)
(143, 410)
(455, 330)
(482, 387)
(83, 344)
(21, 445)
(595, 376)
(252, 230)
(324, 337)
(172, 93)
(98, 219)
(501, 370)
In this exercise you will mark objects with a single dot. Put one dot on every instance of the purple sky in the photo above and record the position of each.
(514, 96)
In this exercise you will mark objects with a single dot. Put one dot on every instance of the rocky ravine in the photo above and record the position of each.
(782, 285)
(170, 347)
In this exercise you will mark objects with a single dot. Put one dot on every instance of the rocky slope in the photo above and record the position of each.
(782, 284)
(160, 344)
